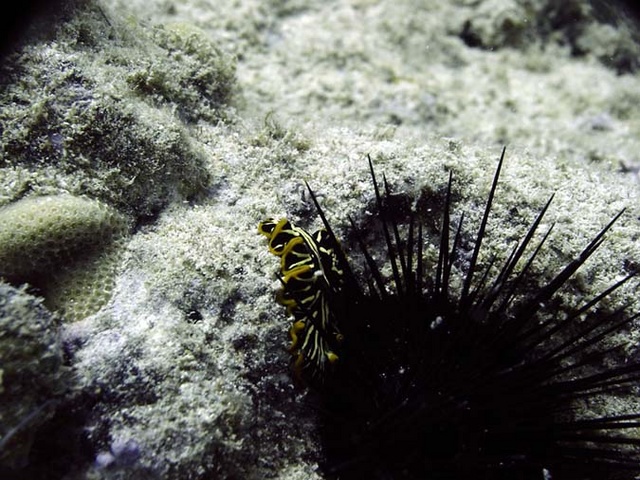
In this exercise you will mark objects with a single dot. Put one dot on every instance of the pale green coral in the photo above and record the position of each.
(64, 245)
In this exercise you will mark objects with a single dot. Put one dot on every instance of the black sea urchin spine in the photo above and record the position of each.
(428, 384)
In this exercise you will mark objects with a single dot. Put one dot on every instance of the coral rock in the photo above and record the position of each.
(31, 372)
(63, 245)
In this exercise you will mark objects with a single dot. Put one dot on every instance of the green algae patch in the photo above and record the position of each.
(64, 245)
(203, 84)
(97, 105)
(31, 372)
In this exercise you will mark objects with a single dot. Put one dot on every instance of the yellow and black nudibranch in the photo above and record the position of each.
(417, 381)
(311, 276)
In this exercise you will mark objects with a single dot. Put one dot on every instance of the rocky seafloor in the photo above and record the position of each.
(139, 337)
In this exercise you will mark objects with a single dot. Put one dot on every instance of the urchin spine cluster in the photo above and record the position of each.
(484, 383)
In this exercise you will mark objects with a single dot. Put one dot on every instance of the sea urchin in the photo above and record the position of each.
(416, 381)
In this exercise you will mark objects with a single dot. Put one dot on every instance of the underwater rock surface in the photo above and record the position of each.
(32, 376)
(199, 119)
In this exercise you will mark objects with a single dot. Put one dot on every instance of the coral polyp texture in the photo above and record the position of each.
(421, 373)
(63, 245)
